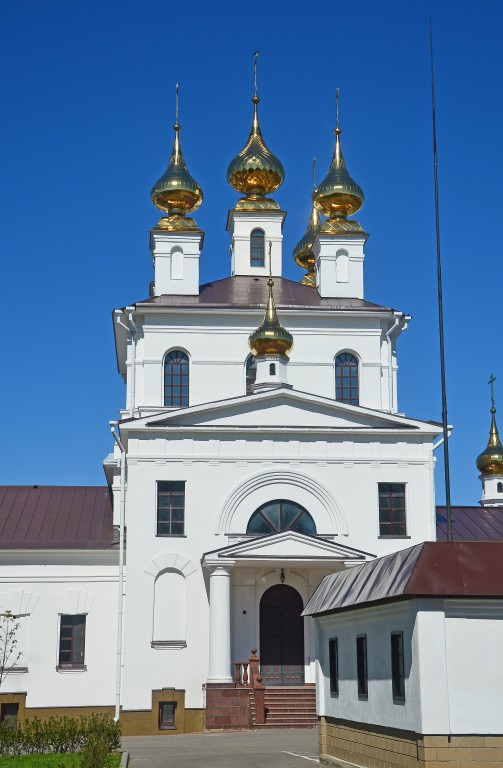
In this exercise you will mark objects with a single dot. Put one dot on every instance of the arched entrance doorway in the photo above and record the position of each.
(281, 636)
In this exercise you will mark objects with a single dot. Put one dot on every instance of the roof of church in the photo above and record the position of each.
(55, 517)
(432, 569)
(471, 523)
(247, 291)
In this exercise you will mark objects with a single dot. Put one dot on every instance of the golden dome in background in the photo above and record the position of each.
(338, 195)
(255, 171)
(270, 339)
(176, 192)
(490, 461)
(303, 252)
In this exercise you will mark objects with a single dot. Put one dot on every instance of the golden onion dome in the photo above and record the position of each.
(303, 252)
(490, 461)
(176, 192)
(255, 171)
(338, 195)
(270, 339)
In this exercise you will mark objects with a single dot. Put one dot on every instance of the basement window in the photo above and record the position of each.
(8, 716)
(167, 715)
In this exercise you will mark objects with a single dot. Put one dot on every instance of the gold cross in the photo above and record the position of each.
(491, 382)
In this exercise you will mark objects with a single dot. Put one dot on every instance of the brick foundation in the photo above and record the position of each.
(377, 747)
(227, 708)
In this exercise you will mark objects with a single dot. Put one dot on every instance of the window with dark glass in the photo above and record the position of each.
(176, 379)
(72, 640)
(257, 248)
(333, 662)
(8, 716)
(167, 715)
(170, 508)
(251, 374)
(499, 488)
(392, 509)
(346, 379)
(361, 665)
(281, 515)
(397, 667)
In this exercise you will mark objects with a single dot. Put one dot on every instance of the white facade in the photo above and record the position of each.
(453, 668)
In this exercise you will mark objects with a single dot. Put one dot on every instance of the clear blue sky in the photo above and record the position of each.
(87, 91)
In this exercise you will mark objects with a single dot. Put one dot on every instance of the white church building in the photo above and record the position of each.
(260, 448)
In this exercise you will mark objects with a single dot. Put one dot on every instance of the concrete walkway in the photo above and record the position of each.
(278, 748)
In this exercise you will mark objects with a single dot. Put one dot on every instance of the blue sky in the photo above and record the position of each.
(87, 128)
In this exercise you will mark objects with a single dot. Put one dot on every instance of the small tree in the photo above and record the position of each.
(9, 654)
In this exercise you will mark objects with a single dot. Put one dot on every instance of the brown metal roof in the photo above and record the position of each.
(55, 517)
(432, 569)
(243, 291)
(471, 523)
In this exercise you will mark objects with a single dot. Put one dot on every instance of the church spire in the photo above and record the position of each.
(490, 461)
(338, 195)
(255, 171)
(176, 192)
(270, 339)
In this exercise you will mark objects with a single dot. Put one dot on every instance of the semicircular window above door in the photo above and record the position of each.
(280, 515)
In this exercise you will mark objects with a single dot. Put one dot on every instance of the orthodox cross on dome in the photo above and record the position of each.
(491, 383)
(337, 91)
(255, 59)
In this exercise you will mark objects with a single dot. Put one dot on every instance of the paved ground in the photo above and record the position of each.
(278, 748)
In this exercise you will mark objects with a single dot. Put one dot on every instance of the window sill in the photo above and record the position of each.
(399, 700)
(168, 728)
(71, 668)
(391, 536)
(363, 696)
(17, 671)
(171, 535)
(174, 645)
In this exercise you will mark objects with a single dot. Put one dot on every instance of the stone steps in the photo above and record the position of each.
(288, 707)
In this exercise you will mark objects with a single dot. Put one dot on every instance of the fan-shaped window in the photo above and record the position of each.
(251, 374)
(257, 248)
(176, 379)
(281, 515)
(346, 379)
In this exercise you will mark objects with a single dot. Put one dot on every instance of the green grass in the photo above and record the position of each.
(69, 760)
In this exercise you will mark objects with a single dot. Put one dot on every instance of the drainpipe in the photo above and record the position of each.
(120, 602)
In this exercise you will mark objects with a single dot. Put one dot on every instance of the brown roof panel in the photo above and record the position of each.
(246, 291)
(432, 569)
(471, 523)
(55, 517)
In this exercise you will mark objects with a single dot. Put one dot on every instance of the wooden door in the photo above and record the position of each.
(281, 636)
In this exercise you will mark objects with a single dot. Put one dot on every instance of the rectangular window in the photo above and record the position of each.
(397, 667)
(8, 715)
(167, 715)
(72, 638)
(361, 666)
(333, 660)
(170, 508)
(392, 509)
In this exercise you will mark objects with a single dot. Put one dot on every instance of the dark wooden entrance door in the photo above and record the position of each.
(281, 636)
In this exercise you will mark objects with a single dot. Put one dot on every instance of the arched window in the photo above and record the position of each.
(346, 379)
(176, 379)
(499, 488)
(251, 374)
(257, 248)
(281, 515)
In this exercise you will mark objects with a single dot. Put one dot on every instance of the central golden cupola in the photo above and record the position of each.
(270, 339)
(255, 171)
(338, 196)
(176, 193)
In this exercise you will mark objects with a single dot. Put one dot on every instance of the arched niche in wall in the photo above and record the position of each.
(282, 484)
(342, 266)
(169, 610)
(176, 263)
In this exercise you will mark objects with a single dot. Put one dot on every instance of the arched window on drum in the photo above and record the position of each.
(257, 248)
(280, 515)
(346, 379)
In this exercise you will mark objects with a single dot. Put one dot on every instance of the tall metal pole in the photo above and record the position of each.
(440, 305)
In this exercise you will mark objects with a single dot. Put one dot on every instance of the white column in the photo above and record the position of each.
(220, 621)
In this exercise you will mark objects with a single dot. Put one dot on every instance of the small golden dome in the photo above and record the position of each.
(338, 195)
(176, 192)
(270, 339)
(255, 171)
(303, 252)
(490, 461)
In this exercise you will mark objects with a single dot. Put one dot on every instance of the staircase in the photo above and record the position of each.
(287, 707)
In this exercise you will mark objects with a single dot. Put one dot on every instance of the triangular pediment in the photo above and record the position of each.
(280, 409)
(288, 546)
